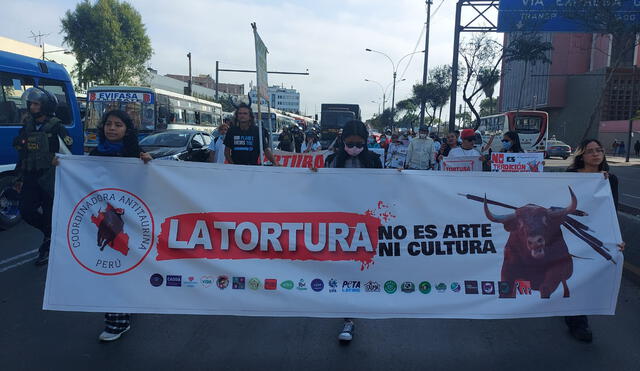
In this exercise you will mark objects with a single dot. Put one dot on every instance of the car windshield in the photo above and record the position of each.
(166, 139)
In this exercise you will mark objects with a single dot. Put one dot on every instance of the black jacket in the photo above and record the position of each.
(367, 159)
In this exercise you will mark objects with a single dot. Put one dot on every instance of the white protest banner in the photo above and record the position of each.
(517, 162)
(135, 238)
(305, 160)
(463, 163)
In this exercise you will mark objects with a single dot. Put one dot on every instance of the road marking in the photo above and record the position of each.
(628, 195)
(18, 256)
(18, 264)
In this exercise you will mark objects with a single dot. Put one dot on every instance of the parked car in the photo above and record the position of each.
(557, 148)
(179, 145)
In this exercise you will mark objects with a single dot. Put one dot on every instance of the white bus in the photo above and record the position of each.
(151, 110)
(532, 128)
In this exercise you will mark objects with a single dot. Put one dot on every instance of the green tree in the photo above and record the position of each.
(529, 49)
(109, 41)
(488, 78)
(479, 53)
(488, 107)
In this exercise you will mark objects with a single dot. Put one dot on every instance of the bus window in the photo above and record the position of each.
(190, 118)
(528, 125)
(12, 108)
(205, 119)
(63, 111)
(163, 116)
(177, 116)
(148, 118)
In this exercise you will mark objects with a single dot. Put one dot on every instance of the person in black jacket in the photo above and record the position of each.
(353, 153)
(590, 158)
(117, 137)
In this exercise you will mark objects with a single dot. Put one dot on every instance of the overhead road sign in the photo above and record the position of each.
(562, 15)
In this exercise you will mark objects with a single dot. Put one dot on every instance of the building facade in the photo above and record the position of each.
(280, 98)
(209, 82)
(579, 84)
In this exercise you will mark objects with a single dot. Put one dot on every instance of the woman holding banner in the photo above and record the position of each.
(117, 137)
(353, 154)
(590, 158)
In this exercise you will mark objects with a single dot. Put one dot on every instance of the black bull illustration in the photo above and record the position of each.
(110, 226)
(536, 250)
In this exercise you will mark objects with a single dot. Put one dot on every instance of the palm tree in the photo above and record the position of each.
(488, 78)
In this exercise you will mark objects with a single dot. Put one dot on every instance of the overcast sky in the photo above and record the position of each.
(327, 37)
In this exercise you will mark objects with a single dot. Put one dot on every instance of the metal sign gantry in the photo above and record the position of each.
(483, 19)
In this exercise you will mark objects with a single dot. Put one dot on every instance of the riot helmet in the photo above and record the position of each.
(48, 102)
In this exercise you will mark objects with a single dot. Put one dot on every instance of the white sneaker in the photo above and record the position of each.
(108, 336)
(347, 331)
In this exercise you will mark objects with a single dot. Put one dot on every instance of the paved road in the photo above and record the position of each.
(33, 339)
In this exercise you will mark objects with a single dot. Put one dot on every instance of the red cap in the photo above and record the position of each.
(467, 133)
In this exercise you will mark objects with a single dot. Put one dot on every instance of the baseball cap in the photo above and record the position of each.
(467, 133)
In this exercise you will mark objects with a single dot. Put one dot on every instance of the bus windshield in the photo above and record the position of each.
(336, 119)
(141, 112)
(528, 125)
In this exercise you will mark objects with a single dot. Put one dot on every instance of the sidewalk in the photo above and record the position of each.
(620, 160)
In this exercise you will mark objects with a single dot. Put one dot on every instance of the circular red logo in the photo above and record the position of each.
(110, 231)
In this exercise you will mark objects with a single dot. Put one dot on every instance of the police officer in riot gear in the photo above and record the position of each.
(38, 141)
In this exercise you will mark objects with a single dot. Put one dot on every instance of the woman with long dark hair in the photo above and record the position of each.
(353, 153)
(117, 137)
(511, 143)
(590, 158)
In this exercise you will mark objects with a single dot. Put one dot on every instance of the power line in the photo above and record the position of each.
(424, 28)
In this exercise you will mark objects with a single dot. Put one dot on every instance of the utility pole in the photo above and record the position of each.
(425, 69)
(190, 80)
(454, 68)
(217, 68)
(632, 111)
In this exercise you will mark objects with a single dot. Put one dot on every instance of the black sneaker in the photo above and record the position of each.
(43, 254)
(347, 331)
(581, 333)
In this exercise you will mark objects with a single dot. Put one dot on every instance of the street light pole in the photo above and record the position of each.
(384, 92)
(395, 70)
(393, 102)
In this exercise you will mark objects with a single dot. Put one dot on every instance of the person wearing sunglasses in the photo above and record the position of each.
(590, 158)
(511, 143)
(354, 153)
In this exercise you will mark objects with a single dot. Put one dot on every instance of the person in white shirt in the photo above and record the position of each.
(310, 144)
(468, 140)
(420, 153)
(218, 145)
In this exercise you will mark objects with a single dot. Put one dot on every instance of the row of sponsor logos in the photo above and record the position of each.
(503, 288)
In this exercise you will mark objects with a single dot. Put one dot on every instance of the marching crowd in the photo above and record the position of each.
(43, 135)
